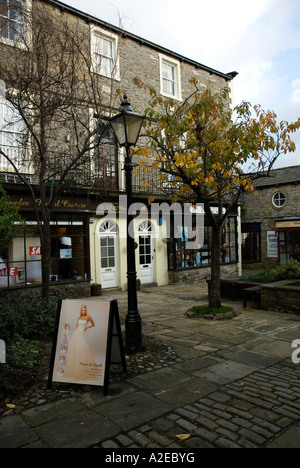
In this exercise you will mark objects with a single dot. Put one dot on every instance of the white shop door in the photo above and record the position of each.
(109, 255)
(146, 253)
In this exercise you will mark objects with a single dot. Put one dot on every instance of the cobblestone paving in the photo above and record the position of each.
(247, 413)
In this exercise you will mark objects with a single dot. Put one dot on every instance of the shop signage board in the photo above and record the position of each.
(288, 225)
(272, 244)
(87, 341)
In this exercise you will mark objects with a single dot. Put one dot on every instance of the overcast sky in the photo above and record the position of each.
(258, 39)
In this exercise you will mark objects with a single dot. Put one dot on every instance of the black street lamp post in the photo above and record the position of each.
(127, 126)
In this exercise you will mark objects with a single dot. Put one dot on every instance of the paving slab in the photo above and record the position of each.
(230, 335)
(225, 372)
(79, 430)
(198, 363)
(116, 390)
(250, 358)
(289, 335)
(186, 353)
(269, 328)
(289, 439)
(186, 392)
(278, 348)
(160, 379)
(14, 433)
(46, 413)
(132, 410)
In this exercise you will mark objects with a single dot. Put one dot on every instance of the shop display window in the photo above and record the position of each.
(180, 257)
(22, 266)
(289, 245)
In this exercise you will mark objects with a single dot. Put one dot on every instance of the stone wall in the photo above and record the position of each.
(198, 275)
(260, 207)
(142, 62)
(282, 296)
(63, 290)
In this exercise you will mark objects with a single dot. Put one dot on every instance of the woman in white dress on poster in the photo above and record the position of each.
(80, 364)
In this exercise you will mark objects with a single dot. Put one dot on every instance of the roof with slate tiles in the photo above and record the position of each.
(283, 176)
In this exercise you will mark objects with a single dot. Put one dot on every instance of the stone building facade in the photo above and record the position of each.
(86, 245)
(271, 219)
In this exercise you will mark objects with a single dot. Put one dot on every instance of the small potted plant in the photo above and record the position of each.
(96, 290)
(138, 285)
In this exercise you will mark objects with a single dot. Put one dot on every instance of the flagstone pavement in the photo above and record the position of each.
(228, 384)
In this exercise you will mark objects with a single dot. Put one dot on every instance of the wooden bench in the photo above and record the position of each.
(252, 292)
(235, 287)
(228, 283)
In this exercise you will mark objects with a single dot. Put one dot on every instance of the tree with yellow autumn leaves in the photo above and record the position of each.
(206, 153)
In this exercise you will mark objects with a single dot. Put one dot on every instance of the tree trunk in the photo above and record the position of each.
(46, 253)
(215, 287)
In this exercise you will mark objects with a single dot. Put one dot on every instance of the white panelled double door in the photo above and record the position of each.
(109, 254)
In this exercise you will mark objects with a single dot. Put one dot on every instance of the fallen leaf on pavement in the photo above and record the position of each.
(183, 436)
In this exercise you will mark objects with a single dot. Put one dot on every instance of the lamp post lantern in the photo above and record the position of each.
(127, 126)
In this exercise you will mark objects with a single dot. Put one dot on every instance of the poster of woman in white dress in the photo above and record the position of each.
(82, 342)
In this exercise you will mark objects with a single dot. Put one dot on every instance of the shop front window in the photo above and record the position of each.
(180, 257)
(68, 248)
(22, 263)
(229, 242)
(289, 245)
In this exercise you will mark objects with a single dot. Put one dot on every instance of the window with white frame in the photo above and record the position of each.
(105, 53)
(13, 138)
(279, 200)
(170, 78)
(12, 20)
